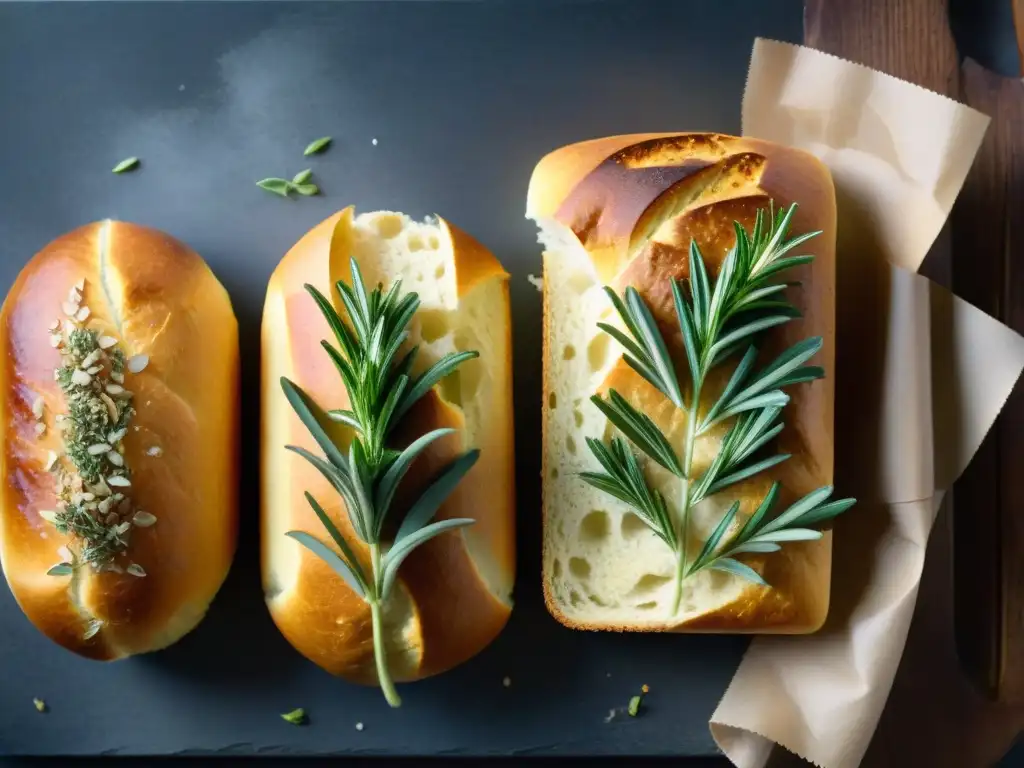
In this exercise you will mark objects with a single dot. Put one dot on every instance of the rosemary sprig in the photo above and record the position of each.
(716, 321)
(381, 390)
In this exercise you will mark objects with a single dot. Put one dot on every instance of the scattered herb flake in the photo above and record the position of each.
(39, 704)
(634, 703)
(295, 717)
(307, 190)
(278, 186)
(128, 164)
(302, 176)
(317, 146)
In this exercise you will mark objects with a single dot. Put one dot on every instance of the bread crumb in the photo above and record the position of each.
(507, 682)
(374, 142)
(536, 282)
(181, 87)
(359, 726)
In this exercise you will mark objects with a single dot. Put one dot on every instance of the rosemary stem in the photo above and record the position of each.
(387, 685)
(684, 497)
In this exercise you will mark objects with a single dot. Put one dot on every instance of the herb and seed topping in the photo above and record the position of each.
(92, 479)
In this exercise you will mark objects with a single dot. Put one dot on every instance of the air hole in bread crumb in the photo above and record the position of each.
(552, 401)
(574, 599)
(595, 526)
(415, 243)
(597, 601)
(434, 243)
(569, 352)
(439, 272)
(649, 582)
(554, 474)
(577, 417)
(717, 579)
(433, 325)
(579, 567)
(580, 281)
(570, 445)
(597, 352)
(556, 568)
(632, 526)
(646, 606)
(419, 277)
(389, 226)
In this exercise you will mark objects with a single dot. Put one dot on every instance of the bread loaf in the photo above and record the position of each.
(622, 211)
(149, 422)
(453, 594)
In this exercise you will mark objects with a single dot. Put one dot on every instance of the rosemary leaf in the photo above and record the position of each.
(278, 186)
(302, 176)
(295, 717)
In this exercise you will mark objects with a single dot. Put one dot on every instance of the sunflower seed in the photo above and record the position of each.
(97, 449)
(83, 314)
(136, 363)
(123, 527)
(94, 370)
(136, 570)
(48, 515)
(111, 406)
(114, 389)
(115, 458)
(87, 496)
(118, 481)
(143, 519)
(81, 378)
(90, 359)
(118, 377)
(106, 342)
(116, 436)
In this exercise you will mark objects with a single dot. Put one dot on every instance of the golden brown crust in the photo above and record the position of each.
(160, 299)
(451, 613)
(635, 202)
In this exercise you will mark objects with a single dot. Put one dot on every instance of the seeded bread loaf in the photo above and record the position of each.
(119, 412)
(622, 211)
(453, 594)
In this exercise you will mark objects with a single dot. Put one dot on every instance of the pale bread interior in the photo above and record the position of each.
(602, 565)
(388, 246)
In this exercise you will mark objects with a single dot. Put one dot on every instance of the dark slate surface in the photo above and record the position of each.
(463, 98)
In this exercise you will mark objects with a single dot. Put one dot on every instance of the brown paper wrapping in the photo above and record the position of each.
(920, 377)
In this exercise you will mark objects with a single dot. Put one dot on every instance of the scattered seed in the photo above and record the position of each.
(48, 515)
(111, 406)
(94, 370)
(156, 451)
(115, 458)
(106, 342)
(136, 363)
(118, 481)
(114, 389)
(90, 359)
(374, 142)
(118, 377)
(94, 626)
(359, 726)
(81, 378)
(116, 436)
(83, 314)
(123, 527)
(70, 308)
(143, 519)
(96, 450)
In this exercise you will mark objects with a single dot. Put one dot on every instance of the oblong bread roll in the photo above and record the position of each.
(161, 304)
(621, 211)
(454, 593)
